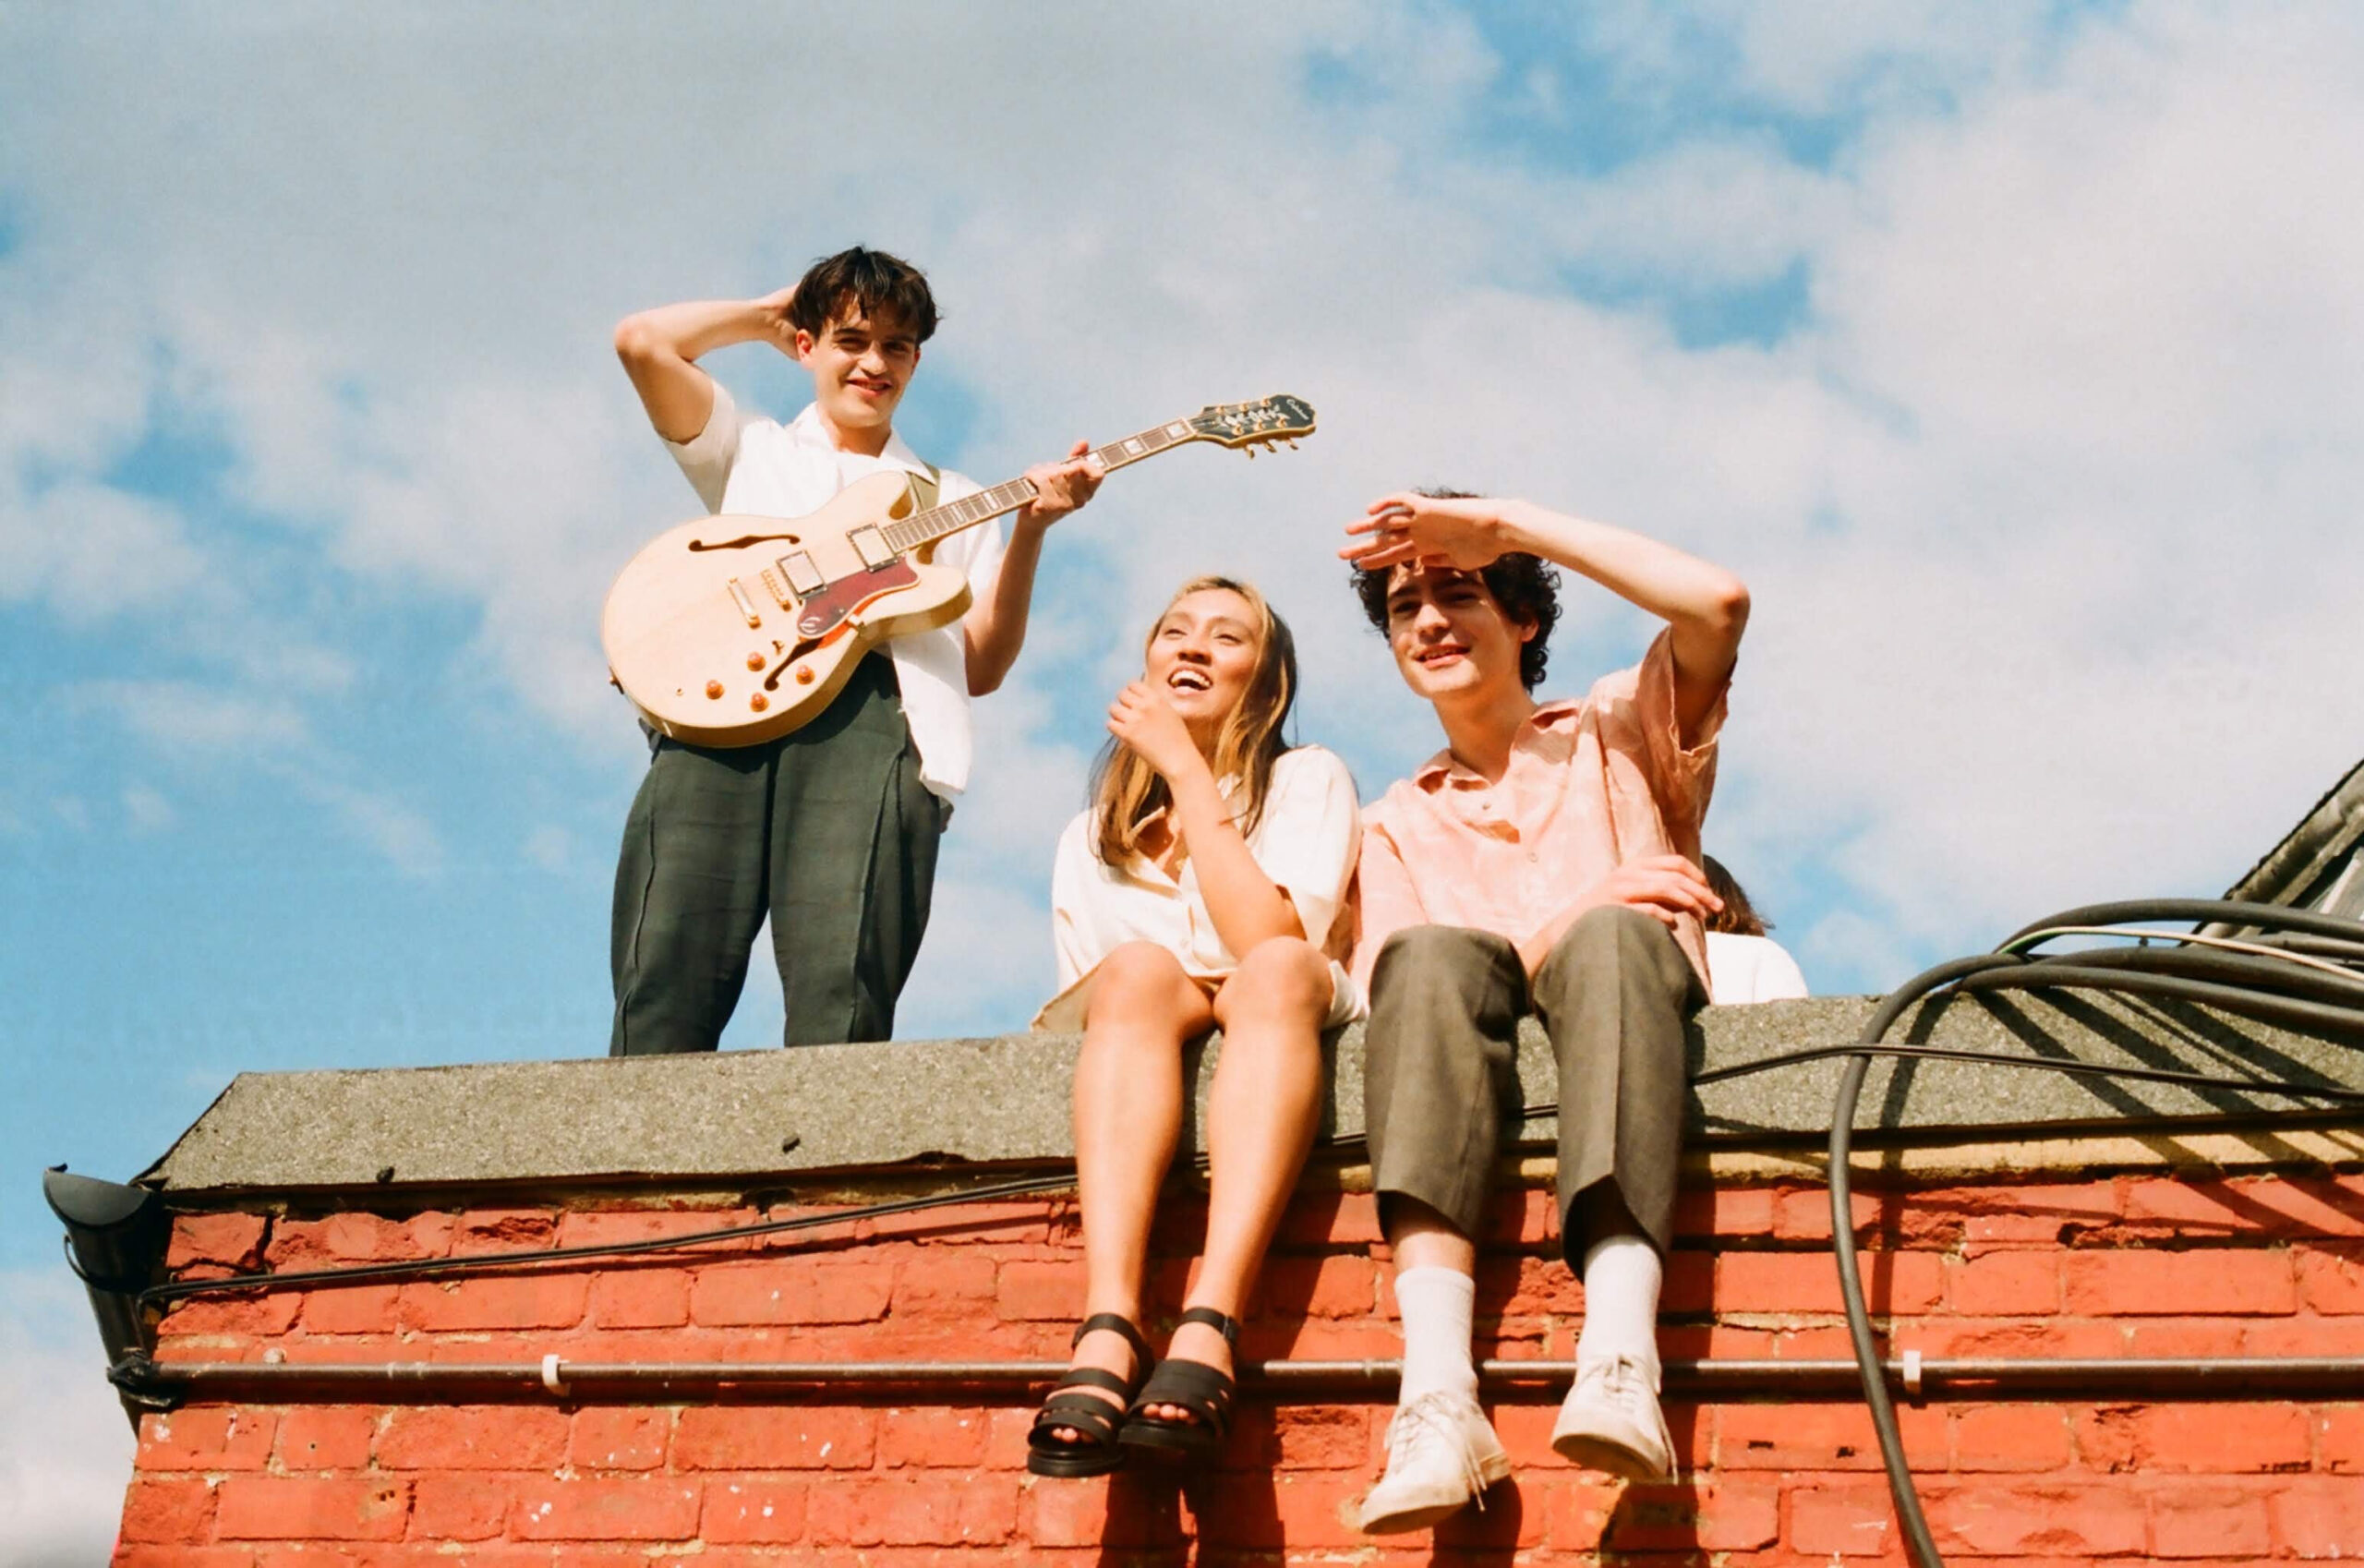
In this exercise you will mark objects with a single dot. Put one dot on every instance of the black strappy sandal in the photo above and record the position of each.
(1204, 1392)
(1093, 1418)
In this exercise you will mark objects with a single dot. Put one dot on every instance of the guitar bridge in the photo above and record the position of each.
(777, 589)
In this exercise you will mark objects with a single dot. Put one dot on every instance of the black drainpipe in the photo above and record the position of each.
(114, 1238)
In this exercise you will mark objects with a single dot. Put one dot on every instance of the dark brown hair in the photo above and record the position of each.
(1126, 792)
(864, 282)
(1526, 586)
(1738, 917)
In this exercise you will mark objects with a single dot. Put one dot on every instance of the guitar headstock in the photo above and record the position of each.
(1251, 425)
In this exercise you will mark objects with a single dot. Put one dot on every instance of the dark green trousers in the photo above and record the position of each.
(828, 830)
(1440, 1077)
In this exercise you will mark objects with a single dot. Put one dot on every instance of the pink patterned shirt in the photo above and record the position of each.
(1592, 783)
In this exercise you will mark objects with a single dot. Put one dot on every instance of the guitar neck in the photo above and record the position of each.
(937, 522)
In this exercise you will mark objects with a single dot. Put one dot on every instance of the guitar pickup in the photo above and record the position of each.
(870, 546)
(802, 577)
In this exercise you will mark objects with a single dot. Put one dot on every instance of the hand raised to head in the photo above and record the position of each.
(773, 309)
(1407, 527)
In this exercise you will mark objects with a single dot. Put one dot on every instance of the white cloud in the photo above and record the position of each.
(65, 1447)
(549, 847)
(146, 810)
(2045, 502)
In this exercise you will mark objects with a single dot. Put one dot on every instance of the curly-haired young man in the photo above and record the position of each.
(1545, 860)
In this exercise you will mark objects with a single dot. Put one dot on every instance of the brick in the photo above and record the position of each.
(736, 1437)
(226, 1241)
(2205, 1521)
(1576, 1513)
(1321, 1437)
(463, 1507)
(2332, 1279)
(620, 1438)
(353, 1309)
(168, 1511)
(903, 1511)
(1513, 1287)
(1121, 1511)
(2050, 1213)
(639, 1298)
(954, 1287)
(513, 1301)
(752, 1508)
(1711, 1518)
(1318, 1287)
(263, 1314)
(1250, 1511)
(1819, 1437)
(2109, 1438)
(1034, 1292)
(2187, 1336)
(326, 1437)
(1804, 1215)
(606, 1508)
(214, 1437)
(2339, 1438)
(933, 1437)
(356, 1238)
(2223, 1437)
(290, 1509)
(473, 1437)
(2032, 1519)
(1325, 1220)
(2140, 1283)
(2010, 1437)
(1997, 1285)
(796, 1291)
(2244, 1207)
(2073, 1338)
(1894, 1282)
(606, 1228)
(1835, 1519)
(1723, 1213)
(2318, 1516)
(1023, 1224)
(481, 1231)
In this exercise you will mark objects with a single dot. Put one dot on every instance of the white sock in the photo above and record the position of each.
(1437, 1304)
(1622, 1276)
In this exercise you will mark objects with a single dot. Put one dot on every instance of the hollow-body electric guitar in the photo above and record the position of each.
(733, 629)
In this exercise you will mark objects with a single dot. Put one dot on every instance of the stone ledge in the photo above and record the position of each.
(926, 1104)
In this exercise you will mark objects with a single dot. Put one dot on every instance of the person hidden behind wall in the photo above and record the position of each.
(1743, 964)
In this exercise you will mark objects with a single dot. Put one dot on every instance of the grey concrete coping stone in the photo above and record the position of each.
(747, 1115)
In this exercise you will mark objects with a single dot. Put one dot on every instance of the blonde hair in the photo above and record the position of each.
(1126, 792)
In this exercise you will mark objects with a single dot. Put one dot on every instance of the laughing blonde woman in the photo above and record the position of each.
(1199, 889)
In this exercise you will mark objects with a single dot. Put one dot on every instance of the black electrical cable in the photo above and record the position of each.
(2255, 986)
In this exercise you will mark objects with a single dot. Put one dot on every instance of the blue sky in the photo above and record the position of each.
(2010, 352)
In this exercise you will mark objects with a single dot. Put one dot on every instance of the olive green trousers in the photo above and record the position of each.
(829, 830)
(1440, 1076)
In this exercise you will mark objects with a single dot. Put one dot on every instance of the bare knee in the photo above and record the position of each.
(1284, 979)
(1138, 981)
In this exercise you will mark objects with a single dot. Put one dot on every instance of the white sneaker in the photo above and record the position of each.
(1612, 1421)
(1441, 1455)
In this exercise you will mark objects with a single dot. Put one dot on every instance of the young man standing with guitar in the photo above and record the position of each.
(831, 828)
(1546, 862)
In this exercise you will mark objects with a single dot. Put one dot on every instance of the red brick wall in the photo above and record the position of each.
(2123, 1266)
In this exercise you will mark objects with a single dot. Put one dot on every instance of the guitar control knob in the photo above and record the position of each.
(804, 675)
(714, 688)
(754, 661)
(758, 702)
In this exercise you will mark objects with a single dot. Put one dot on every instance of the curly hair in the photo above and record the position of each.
(1526, 586)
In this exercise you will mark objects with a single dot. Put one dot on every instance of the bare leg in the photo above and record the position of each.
(1422, 1238)
(1260, 1114)
(1127, 1115)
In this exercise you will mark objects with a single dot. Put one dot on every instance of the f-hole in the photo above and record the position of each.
(743, 540)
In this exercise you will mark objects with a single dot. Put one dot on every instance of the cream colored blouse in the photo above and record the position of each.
(1306, 843)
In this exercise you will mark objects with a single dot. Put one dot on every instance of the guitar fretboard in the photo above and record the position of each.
(926, 528)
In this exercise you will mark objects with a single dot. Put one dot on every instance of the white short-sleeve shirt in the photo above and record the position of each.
(1750, 968)
(743, 462)
(1306, 843)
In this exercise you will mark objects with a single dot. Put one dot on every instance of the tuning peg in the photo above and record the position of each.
(1292, 440)
(1250, 449)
